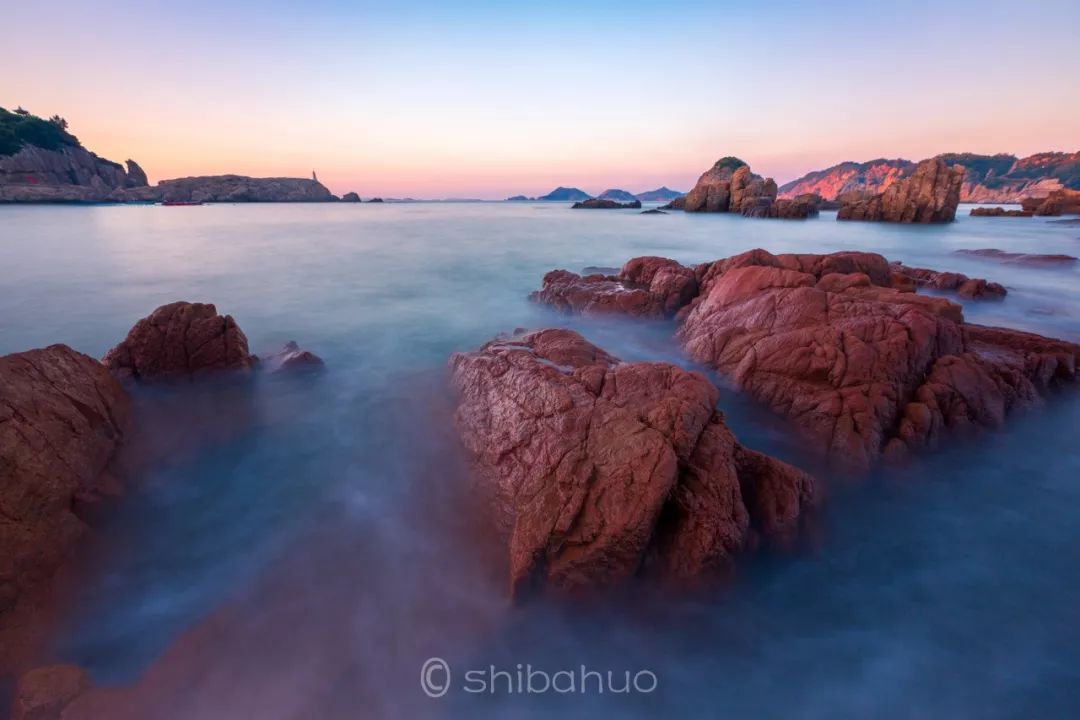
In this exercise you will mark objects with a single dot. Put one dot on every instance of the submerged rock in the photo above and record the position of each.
(291, 358)
(841, 345)
(646, 286)
(62, 420)
(1032, 259)
(599, 470)
(929, 195)
(178, 341)
(653, 211)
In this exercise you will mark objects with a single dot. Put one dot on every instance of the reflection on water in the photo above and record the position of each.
(297, 547)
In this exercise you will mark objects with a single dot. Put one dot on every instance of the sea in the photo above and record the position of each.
(309, 546)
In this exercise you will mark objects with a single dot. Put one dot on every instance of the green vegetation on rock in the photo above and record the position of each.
(21, 128)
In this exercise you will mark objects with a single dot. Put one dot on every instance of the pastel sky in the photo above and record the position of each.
(489, 99)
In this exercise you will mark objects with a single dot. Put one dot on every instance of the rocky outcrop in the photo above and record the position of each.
(653, 211)
(292, 358)
(598, 471)
(999, 212)
(841, 345)
(651, 287)
(62, 419)
(929, 195)
(965, 287)
(712, 192)
(178, 341)
(71, 174)
(239, 188)
(800, 208)
(603, 204)
(1031, 259)
(730, 186)
(987, 178)
(136, 175)
(44, 693)
(350, 197)
(1058, 202)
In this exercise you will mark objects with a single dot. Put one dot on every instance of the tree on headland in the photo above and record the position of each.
(20, 128)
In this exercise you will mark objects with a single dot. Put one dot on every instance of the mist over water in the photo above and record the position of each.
(298, 547)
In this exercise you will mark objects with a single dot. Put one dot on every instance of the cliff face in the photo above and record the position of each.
(868, 177)
(70, 174)
(998, 178)
(929, 195)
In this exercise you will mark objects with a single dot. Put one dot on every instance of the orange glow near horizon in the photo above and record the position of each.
(482, 102)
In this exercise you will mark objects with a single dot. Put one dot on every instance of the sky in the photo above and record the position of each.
(491, 99)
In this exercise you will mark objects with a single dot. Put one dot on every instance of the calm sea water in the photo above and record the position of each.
(299, 547)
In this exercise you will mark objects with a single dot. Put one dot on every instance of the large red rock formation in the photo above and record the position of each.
(1058, 202)
(599, 470)
(645, 286)
(62, 418)
(180, 340)
(729, 186)
(840, 344)
(930, 194)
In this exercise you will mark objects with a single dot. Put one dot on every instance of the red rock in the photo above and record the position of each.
(646, 286)
(178, 341)
(291, 358)
(844, 358)
(999, 212)
(62, 419)
(43, 693)
(599, 470)
(962, 285)
(842, 345)
(1031, 259)
(1059, 202)
(930, 194)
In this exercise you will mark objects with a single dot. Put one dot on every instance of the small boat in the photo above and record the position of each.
(177, 203)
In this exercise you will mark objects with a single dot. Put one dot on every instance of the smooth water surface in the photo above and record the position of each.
(298, 547)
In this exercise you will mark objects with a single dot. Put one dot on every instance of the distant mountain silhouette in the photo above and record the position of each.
(617, 195)
(659, 195)
(564, 194)
(518, 198)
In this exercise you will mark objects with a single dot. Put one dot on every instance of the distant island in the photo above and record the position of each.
(41, 162)
(565, 194)
(572, 194)
(617, 195)
(660, 194)
(998, 178)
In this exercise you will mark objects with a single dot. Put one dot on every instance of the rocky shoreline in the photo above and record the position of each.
(597, 472)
